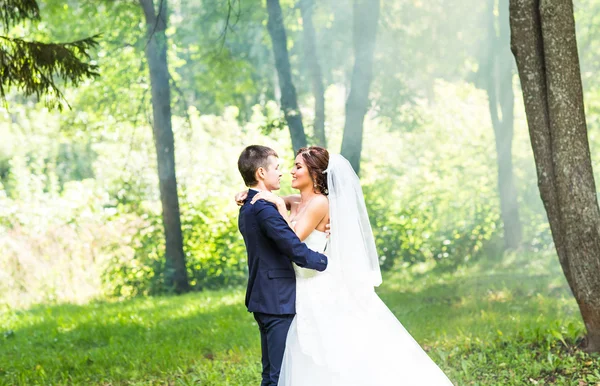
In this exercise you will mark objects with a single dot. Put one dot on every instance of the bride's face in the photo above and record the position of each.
(300, 175)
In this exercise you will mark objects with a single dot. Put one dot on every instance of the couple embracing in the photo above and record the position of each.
(312, 294)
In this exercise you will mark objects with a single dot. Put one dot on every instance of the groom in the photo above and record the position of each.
(271, 246)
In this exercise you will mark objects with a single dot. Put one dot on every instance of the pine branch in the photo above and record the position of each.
(33, 66)
(14, 11)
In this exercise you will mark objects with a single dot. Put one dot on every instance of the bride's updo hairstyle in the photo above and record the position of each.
(316, 159)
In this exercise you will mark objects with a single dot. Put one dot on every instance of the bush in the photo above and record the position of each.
(411, 231)
(214, 251)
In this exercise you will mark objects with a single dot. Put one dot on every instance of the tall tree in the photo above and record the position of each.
(156, 55)
(289, 100)
(364, 33)
(545, 48)
(32, 66)
(312, 59)
(498, 68)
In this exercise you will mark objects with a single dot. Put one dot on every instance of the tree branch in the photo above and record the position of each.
(33, 66)
(14, 11)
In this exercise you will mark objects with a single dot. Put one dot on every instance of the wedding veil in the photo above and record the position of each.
(351, 245)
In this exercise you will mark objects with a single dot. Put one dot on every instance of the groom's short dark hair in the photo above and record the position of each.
(252, 158)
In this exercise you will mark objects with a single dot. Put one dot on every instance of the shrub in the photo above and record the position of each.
(214, 251)
(412, 230)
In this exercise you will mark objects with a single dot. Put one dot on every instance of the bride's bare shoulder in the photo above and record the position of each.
(320, 201)
(322, 198)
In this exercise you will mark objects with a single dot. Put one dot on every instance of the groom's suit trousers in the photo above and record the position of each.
(273, 334)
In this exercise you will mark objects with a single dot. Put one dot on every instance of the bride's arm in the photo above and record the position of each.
(291, 199)
(314, 213)
(278, 201)
(240, 197)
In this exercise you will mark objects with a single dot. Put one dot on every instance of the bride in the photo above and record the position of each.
(343, 334)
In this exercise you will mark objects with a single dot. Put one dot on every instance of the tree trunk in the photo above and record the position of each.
(289, 101)
(366, 18)
(310, 51)
(500, 76)
(544, 45)
(156, 54)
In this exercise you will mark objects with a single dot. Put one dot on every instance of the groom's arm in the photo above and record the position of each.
(278, 230)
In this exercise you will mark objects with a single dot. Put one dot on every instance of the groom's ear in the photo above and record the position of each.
(260, 173)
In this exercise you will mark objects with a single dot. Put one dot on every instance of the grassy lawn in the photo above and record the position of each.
(513, 323)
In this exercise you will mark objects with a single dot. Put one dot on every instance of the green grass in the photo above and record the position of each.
(513, 323)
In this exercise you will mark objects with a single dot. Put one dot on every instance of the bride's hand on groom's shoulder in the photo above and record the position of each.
(241, 197)
(269, 197)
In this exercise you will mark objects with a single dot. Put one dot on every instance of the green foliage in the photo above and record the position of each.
(115, 217)
(274, 119)
(412, 232)
(222, 56)
(431, 191)
(43, 154)
(214, 249)
(213, 246)
(216, 253)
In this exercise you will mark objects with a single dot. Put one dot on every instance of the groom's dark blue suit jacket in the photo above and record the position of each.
(272, 246)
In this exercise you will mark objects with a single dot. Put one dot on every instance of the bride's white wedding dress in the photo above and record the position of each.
(343, 334)
(342, 337)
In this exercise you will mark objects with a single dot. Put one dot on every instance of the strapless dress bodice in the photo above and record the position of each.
(316, 241)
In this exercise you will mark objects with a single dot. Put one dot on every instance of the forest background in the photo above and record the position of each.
(423, 98)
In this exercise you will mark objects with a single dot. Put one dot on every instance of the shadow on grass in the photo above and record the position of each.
(137, 339)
